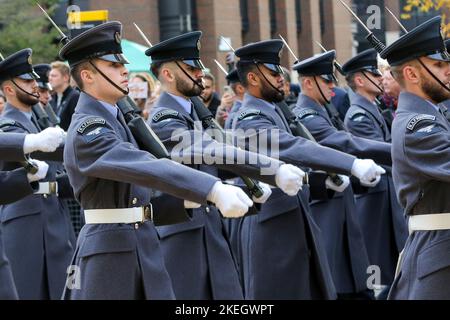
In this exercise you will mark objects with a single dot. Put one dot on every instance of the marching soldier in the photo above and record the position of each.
(200, 245)
(235, 83)
(444, 106)
(292, 265)
(337, 217)
(421, 160)
(44, 86)
(38, 260)
(18, 184)
(118, 254)
(380, 214)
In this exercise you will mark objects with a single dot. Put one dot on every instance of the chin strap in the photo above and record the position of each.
(432, 75)
(199, 84)
(30, 94)
(321, 92)
(370, 80)
(125, 92)
(267, 80)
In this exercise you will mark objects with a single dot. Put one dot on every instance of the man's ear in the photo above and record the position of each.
(167, 74)
(86, 76)
(252, 79)
(308, 83)
(8, 88)
(358, 80)
(411, 74)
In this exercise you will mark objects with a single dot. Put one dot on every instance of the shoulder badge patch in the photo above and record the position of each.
(307, 112)
(165, 114)
(356, 113)
(421, 117)
(248, 113)
(90, 122)
(6, 123)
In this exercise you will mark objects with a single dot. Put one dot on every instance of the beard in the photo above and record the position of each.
(270, 94)
(188, 88)
(27, 99)
(435, 91)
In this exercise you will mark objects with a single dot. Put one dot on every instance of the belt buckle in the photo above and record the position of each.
(53, 188)
(148, 212)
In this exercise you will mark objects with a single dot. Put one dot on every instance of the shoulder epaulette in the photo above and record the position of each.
(7, 123)
(417, 119)
(307, 112)
(90, 122)
(248, 113)
(356, 112)
(164, 114)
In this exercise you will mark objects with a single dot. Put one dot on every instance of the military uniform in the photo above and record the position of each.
(208, 260)
(11, 182)
(380, 214)
(421, 172)
(40, 259)
(232, 77)
(292, 265)
(108, 171)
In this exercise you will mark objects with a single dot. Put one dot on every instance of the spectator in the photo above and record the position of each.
(209, 95)
(151, 93)
(64, 98)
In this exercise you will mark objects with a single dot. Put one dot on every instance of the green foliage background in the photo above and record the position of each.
(23, 25)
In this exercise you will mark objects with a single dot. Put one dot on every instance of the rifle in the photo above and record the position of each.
(373, 40)
(209, 122)
(41, 116)
(297, 128)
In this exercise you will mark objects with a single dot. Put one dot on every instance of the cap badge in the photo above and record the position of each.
(117, 37)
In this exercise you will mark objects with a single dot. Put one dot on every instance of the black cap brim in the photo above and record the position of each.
(115, 57)
(440, 56)
(374, 71)
(196, 63)
(29, 76)
(274, 67)
(329, 78)
(44, 85)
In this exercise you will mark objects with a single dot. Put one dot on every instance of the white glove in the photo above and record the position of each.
(41, 173)
(191, 205)
(47, 140)
(266, 193)
(230, 200)
(367, 171)
(289, 179)
(331, 185)
(371, 184)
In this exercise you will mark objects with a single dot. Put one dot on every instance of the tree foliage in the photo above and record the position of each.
(23, 25)
(442, 6)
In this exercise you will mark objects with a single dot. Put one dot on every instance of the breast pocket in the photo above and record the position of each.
(197, 222)
(108, 241)
(433, 258)
(277, 204)
(28, 206)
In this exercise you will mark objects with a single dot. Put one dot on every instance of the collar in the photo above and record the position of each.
(112, 109)
(304, 101)
(27, 114)
(185, 103)
(434, 106)
(248, 97)
(409, 102)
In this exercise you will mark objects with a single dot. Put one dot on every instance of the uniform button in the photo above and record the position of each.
(134, 200)
(207, 209)
(136, 226)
